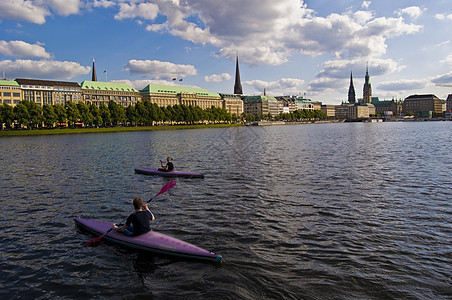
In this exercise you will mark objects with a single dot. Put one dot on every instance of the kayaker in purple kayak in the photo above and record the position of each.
(139, 221)
(169, 165)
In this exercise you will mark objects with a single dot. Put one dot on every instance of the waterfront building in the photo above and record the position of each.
(261, 105)
(97, 92)
(232, 103)
(286, 104)
(423, 105)
(367, 89)
(329, 110)
(449, 103)
(351, 91)
(303, 103)
(49, 92)
(164, 95)
(10, 92)
(354, 111)
(387, 108)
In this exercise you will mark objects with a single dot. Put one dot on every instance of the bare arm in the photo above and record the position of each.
(145, 207)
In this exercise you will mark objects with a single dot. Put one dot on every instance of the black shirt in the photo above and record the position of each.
(140, 222)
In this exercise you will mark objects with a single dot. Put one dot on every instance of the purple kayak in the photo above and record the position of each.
(174, 173)
(152, 241)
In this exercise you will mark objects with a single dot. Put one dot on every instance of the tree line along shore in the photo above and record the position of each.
(80, 117)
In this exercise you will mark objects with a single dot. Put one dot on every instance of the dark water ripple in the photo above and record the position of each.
(332, 211)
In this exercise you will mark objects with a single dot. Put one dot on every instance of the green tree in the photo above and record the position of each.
(95, 112)
(86, 117)
(131, 114)
(73, 115)
(35, 112)
(60, 111)
(49, 115)
(117, 113)
(21, 113)
(6, 115)
(105, 114)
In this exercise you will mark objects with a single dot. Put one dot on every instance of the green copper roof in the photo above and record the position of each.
(170, 89)
(107, 86)
(9, 83)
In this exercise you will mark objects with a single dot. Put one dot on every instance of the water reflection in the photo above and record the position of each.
(349, 210)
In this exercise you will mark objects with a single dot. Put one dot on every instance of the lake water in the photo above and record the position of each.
(320, 211)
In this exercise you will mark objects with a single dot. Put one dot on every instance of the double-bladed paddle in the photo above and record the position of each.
(94, 241)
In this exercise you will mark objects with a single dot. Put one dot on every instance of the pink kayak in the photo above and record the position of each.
(152, 241)
(174, 173)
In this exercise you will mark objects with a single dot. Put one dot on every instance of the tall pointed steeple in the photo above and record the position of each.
(367, 90)
(351, 91)
(93, 76)
(238, 85)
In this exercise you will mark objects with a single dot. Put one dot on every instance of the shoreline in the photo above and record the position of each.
(53, 131)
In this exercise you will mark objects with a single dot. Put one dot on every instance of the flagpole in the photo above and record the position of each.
(105, 76)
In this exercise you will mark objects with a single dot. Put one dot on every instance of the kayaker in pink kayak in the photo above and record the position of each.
(169, 165)
(139, 221)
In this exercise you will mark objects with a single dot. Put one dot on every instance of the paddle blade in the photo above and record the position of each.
(166, 187)
(92, 242)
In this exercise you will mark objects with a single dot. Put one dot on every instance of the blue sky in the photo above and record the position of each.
(287, 47)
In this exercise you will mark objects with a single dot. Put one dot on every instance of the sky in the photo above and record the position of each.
(285, 47)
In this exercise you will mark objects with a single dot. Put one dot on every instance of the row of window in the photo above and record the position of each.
(9, 101)
(8, 94)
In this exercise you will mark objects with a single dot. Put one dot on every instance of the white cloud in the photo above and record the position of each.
(146, 11)
(64, 7)
(445, 78)
(159, 69)
(403, 84)
(448, 60)
(282, 86)
(22, 49)
(366, 4)
(217, 78)
(47, 69)
(103, 3)
(340, 69)
(23, 10)
(412, 11)
(443, 17)
(36, 11)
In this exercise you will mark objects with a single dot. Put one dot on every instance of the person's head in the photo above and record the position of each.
(137, 203)
(168, 159)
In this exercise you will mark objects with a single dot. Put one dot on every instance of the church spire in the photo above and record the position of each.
(238, 84)
(94, 76)
(351, 91)
(367, 90)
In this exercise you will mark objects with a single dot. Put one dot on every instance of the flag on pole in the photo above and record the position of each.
(180, 79)
(174, 78)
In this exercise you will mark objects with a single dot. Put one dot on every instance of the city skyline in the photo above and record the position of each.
(287, 47)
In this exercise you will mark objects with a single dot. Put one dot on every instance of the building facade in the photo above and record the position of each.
(261, 105)
(232, 103)
(97, 93)
(388, 108)
(422, 105)
(49, 92)
(165, 95)
(329, 110)
(10, 92)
